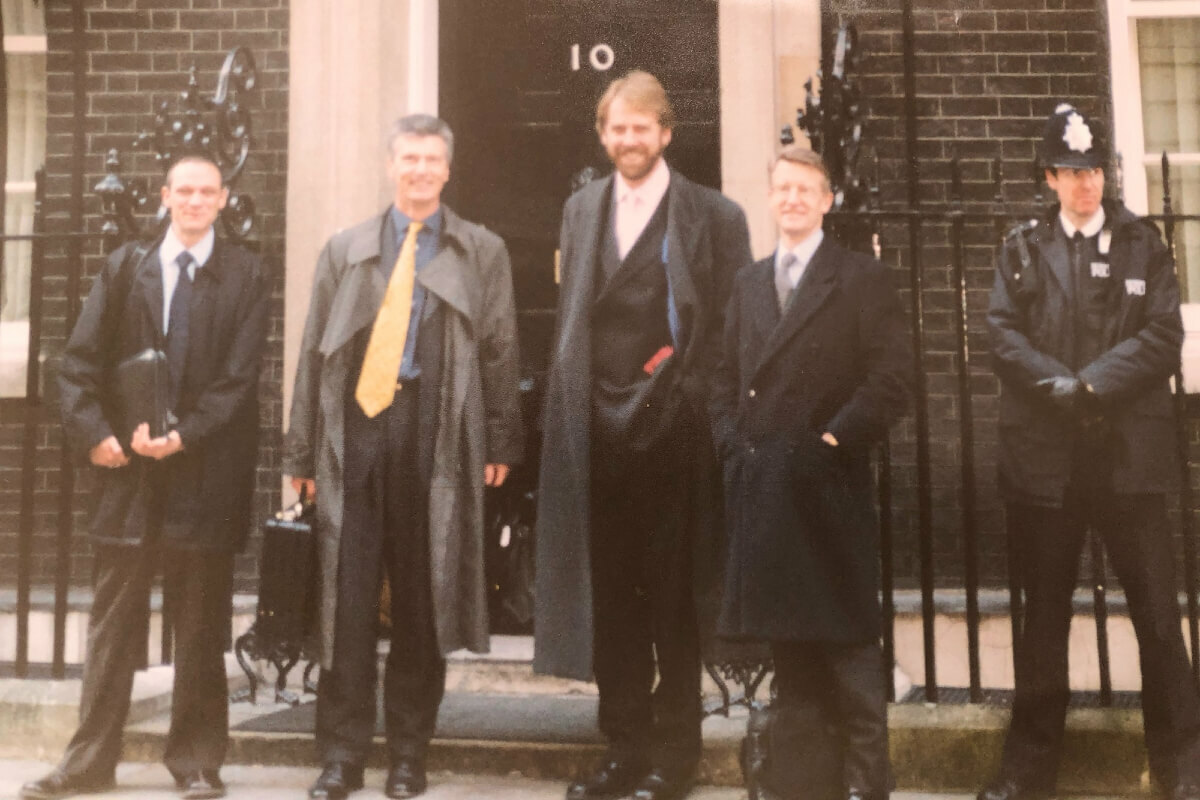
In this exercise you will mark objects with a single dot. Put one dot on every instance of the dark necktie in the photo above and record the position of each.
(177, 331)
(783, 279)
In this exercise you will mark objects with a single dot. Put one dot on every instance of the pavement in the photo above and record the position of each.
(139, 781)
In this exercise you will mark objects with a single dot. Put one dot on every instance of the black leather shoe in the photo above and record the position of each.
(662, 785)
(337, 780)
(1009, 789)
(616, 778)
(202, 784)
(406, 778)
(59, 784)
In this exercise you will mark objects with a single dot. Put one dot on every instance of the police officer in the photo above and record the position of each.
(1085, 332)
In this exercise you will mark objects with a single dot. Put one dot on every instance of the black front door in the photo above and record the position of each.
(518, 83)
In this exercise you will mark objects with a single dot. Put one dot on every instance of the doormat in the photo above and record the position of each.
(466, 715)
(961, 695)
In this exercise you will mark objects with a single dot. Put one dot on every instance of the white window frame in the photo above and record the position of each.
(14, 335)
(1129, 139)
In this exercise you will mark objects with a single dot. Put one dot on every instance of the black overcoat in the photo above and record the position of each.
(803, 560)
(201, 496)
(1032, 337)
(707, 242)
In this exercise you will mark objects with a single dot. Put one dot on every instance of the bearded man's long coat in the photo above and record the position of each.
(707, 241)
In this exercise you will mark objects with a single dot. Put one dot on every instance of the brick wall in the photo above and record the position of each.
(137, 54)
(987, 72)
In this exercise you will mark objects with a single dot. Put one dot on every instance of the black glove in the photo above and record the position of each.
(1064, 392)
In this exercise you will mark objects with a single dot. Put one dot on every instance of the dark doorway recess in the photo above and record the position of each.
(518, 82)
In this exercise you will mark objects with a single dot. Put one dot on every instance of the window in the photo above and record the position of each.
(25, 72)
(1156, 109)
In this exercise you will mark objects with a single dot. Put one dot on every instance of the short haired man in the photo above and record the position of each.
(815, 367)
(1086, 332)
(628, 501)
(406, 403)
(183, 497)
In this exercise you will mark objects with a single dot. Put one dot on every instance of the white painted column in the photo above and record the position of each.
(769, 48)
(355, 67)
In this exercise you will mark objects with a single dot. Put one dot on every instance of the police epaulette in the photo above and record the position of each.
(1017, 234)
(1020, 228)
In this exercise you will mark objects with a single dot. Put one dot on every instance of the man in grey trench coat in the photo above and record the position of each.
(399, 480)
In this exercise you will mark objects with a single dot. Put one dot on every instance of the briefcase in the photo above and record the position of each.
(287, 588)
(142, 386)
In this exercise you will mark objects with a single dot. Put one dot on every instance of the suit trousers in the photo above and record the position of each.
(645, 615)
(841, 688)
(197, 586)
(1047, 543)
(384, 528)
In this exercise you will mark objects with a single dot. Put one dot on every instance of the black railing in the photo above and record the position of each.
(907, 229)
(954, 218)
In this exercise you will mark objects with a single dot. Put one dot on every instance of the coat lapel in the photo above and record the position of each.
(149, 287)
(764, 304)
(581, 271)
(680, 253)
(818, 282)
(446, 275)
(361, 293)
(1053, 246)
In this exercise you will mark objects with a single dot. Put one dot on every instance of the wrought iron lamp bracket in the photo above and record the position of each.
(218, 127)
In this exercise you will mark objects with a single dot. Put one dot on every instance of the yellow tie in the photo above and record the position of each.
(379, 380)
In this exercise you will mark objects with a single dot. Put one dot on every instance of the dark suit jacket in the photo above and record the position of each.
(803, 554)
(201, 496)
(707, 242)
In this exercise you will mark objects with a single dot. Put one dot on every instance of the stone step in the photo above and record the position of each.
(935, 748)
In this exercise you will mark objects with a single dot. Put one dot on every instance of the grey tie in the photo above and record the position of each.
(783, 281)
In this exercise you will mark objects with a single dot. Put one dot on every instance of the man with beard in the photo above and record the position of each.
(1086, 332)
(629, 497)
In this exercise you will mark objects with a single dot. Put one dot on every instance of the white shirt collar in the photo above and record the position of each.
(651, 191)
(171, 248)
(804, 250)
(1088, 229)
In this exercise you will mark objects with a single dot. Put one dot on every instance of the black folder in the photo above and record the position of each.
(142, 385)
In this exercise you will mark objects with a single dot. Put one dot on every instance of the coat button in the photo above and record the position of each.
(752, 393)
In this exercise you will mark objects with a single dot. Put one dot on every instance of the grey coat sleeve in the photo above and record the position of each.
(499, 357)
(299, 443)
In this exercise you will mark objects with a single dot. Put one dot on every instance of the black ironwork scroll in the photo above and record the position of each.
(217, 127)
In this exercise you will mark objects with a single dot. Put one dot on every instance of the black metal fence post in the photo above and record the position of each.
(1186, 494)
(966, 432)
(924, 481)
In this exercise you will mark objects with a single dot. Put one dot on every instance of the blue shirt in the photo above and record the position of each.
(429, 241)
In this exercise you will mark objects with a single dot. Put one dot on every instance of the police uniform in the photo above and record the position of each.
(1085, 333)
